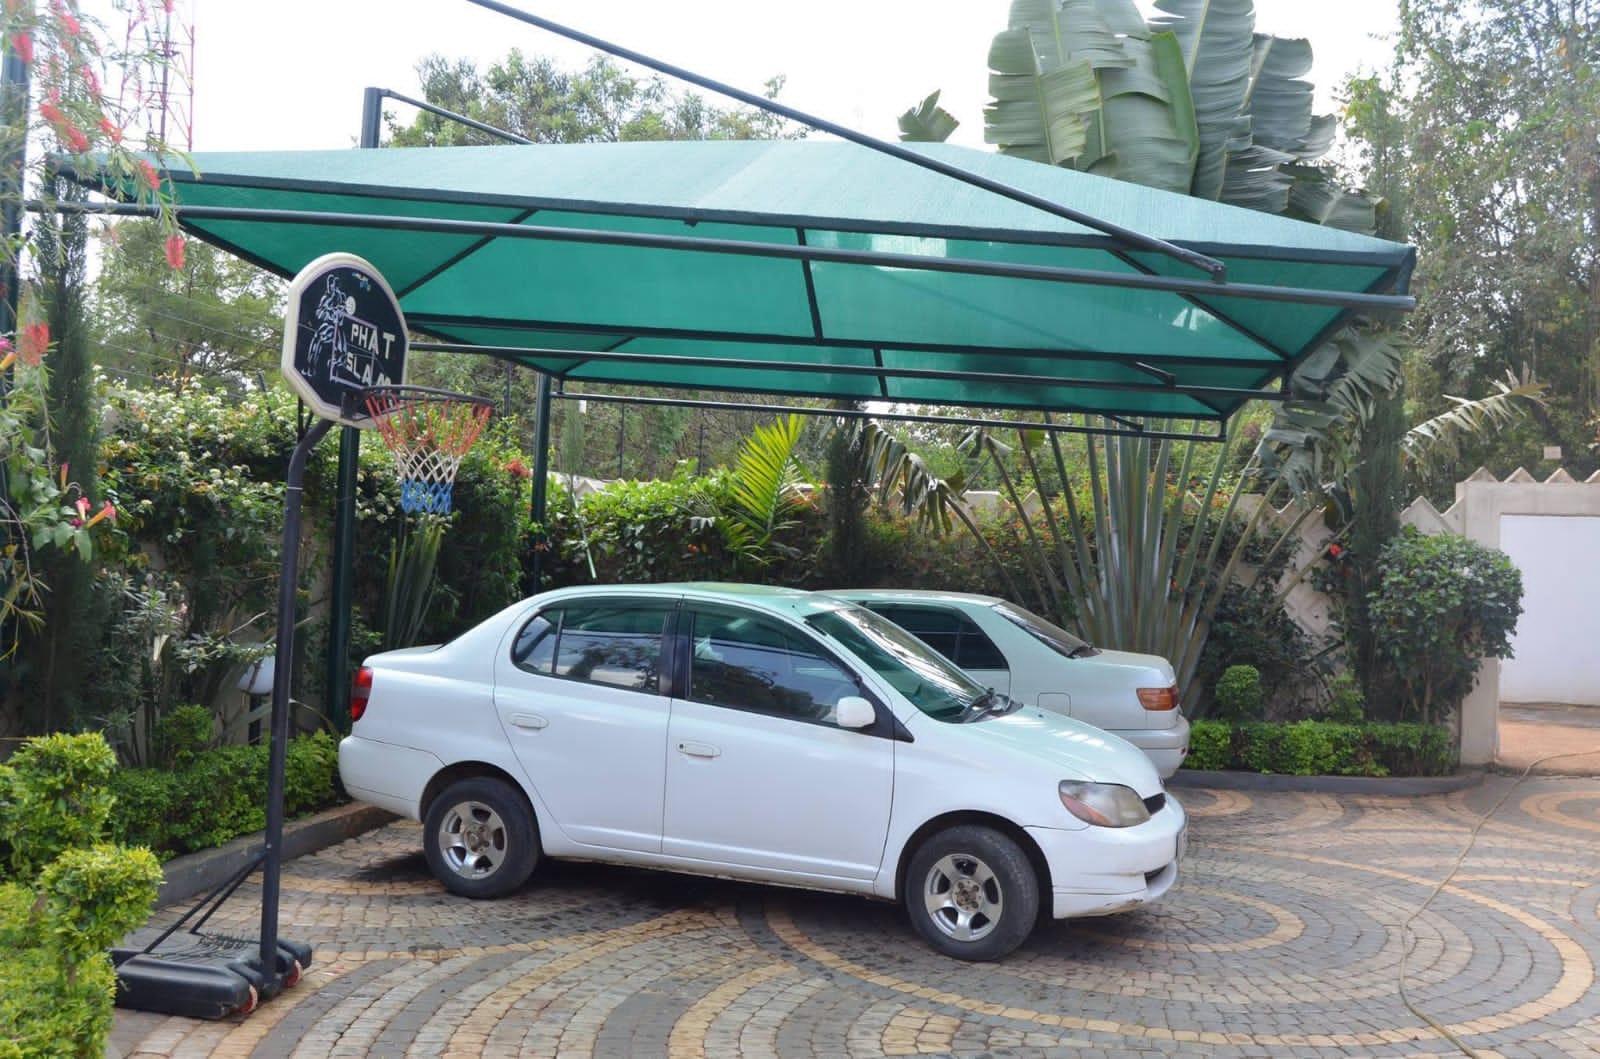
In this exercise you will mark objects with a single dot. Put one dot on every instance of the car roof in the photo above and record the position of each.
(774, 598)
(912, 595)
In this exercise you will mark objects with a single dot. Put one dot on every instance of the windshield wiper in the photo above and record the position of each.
(990, 702)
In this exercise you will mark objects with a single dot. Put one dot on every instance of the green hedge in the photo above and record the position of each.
(65, 897)
(1322, 748)
(219, 795)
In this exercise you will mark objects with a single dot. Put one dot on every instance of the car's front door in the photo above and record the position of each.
(581, 702)
(758, 774)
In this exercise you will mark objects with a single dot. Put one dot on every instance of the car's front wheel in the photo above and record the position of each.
(971, 892)
(480, 838)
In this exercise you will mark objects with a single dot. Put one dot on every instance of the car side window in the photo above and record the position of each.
(947, 631)
(617, 644)
(746, 662)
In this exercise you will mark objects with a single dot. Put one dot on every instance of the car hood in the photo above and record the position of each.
(1069, 749)
(1137, 665)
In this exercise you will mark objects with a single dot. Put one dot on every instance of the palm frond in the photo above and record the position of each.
(1441, 436)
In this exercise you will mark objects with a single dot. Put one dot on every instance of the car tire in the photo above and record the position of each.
(971, 893)
(480, 838)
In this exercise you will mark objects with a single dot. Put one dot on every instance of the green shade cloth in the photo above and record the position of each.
(719, 321)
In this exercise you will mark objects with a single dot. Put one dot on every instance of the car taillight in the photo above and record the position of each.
(361, 691)
(1159, 698)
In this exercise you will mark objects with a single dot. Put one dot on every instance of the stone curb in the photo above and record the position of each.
(196, 873)
(1379, 785)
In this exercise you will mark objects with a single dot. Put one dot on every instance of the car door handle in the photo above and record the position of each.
(530, 721)
(699, 750)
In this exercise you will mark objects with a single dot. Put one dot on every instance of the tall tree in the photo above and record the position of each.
(536, 99)
(170, 311)
(1498, 108)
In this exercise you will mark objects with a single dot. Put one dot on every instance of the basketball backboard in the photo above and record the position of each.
(343, 331)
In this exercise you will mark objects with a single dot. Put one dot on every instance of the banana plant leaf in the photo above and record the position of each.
(1215, 37)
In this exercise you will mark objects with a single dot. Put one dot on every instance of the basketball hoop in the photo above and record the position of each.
(428, 431)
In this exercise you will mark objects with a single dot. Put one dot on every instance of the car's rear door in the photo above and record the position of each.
(951, 632)
(758, 775)
(580, 697)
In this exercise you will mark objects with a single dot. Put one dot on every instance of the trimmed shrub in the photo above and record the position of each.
(1239, 694)
(181, 735)
(67, 898)
(54, 796)
(1321, 748)
(1442, 605)
(220, 795)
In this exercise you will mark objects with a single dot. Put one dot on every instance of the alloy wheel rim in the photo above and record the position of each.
(473, 840)
(962, 897)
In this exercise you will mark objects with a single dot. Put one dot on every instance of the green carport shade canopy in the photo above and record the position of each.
(812, 268)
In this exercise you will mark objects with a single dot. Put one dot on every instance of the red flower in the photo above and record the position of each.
(22, 45)
(147, 174)
(70, 24)
(109, 127)
(175, 252)
(517, 469)
(75, 140)
(1334, 551)
(35, 339)
(52, 113)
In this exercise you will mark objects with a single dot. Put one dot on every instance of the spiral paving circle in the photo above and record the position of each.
(1285, 935)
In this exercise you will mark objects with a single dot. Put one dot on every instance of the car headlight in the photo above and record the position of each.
(1103, 804)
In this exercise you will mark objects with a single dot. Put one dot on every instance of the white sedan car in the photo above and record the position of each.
(756, 733)
(1022, 655)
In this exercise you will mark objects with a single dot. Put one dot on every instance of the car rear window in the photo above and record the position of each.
(1048, 633)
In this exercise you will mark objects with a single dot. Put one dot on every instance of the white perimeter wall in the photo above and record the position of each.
(1541, 526)
(1557, 649)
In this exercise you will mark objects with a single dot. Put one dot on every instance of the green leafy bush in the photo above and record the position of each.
(1346, 703)
(65, 899)
(1238, 693)
(54, 796)
(1442, 605)
(1210, 745)
(1321, 748)
(181, 735)
(220, 795)
(1251, 627)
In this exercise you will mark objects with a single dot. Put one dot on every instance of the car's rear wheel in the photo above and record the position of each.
(480, 838)
(971, 892)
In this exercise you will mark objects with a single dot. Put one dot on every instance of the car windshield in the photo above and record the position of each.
(911, 667)
(1048, 633)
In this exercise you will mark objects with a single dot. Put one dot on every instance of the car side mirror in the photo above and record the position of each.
(853, 711)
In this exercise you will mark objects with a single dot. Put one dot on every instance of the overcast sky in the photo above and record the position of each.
(287, 74)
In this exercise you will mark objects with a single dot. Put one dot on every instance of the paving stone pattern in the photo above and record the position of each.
(1285, 936)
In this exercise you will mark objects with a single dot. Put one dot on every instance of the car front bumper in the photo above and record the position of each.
(1100, 870)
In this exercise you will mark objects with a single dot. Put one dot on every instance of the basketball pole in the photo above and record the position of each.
(283, 662)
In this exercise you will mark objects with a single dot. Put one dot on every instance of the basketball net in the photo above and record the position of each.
(428, 431)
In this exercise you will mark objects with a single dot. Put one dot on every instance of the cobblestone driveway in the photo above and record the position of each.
(1284, 937)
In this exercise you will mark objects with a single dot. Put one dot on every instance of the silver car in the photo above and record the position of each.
(1031, 659)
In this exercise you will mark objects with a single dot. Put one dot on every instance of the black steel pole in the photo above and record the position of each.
(283, 662)
(541, 478)
(336, 685)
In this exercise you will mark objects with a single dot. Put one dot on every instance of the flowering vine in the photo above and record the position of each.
(86, 93)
